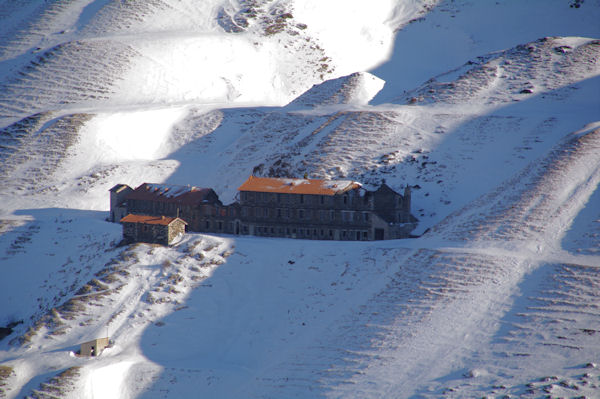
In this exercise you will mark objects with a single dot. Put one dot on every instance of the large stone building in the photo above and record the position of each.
(323, 210)
(278, 207)
(199, 207)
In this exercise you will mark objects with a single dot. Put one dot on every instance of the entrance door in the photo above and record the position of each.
(379, 234)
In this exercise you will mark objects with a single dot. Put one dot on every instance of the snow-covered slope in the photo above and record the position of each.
(488, 109)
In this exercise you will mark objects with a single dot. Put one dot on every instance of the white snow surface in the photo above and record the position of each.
(489, 109)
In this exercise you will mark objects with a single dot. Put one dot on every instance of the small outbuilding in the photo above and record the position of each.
(94, 347)
(152, 229)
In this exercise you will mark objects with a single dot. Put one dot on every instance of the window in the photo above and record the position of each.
(322, 215)
(301, 213)
(345, 198)
(358, 236)
(332, 215)
(366, 216)
(322, 233)
(302, 198)
(278, 198)
(331, 233)
(365, 235)
(220, 225)
(347, 216)
(344, 234)
(279, 213)
(287, 213)
(207, 224)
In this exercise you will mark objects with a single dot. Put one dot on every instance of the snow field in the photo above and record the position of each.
(498, 130)
(127, 293)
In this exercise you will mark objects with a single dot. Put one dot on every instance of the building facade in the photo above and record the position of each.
(94, 347)
(152, 229)
(118, 208)
(323, 210)
(278, 207)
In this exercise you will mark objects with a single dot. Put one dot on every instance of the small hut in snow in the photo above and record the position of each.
(94, 347)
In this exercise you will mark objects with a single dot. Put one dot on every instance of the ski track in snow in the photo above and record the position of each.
(498, 298)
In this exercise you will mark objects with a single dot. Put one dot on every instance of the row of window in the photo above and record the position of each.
(310, 233)
(316, 234)
(218, 225)
(306, 214)
(307, 199)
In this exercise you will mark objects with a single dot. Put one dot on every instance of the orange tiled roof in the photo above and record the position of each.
(297, 186)
(162, 220)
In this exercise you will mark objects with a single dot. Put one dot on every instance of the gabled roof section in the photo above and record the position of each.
(118, 187)
(145, 219)
(384, 188)
(184, 195)
(298, 186)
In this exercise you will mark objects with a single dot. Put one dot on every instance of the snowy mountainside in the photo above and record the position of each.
(330, 142)
(488, 109)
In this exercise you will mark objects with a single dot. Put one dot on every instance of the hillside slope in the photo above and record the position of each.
(488, 109)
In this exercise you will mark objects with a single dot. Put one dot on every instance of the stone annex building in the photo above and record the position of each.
(275, 207)
(158, 229)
